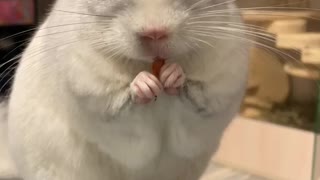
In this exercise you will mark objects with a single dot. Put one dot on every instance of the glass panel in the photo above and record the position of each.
(281, 99)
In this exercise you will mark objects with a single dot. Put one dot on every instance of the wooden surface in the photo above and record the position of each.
(268, 150)
(302, 72)
(266, 71)
(273, 15)
(287, 26)
(268, 3)
(311, 55)
(298, 41)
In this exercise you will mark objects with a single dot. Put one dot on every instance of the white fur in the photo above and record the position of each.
(7, 168)
(71, 115)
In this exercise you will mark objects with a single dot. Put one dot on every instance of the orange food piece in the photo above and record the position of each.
(156, 66)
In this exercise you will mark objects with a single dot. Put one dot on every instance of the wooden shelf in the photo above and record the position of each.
(311, 55)
(302, 72)
(287, 26)
(273, 15)
(298, 41)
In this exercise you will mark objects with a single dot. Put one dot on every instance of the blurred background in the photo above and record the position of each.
(276, 135)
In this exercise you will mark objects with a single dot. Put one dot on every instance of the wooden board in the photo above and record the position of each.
(287, 26)
(311, 55)
(273, 15)
(302, 72)
(266, 71)
(268, 3)
(268, 150)
(298, 41)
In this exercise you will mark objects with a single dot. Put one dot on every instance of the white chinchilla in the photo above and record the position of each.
(83, 106)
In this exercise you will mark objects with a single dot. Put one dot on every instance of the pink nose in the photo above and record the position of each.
(154, 34)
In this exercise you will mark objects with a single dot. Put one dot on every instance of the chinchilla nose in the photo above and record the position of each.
(154, 34)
